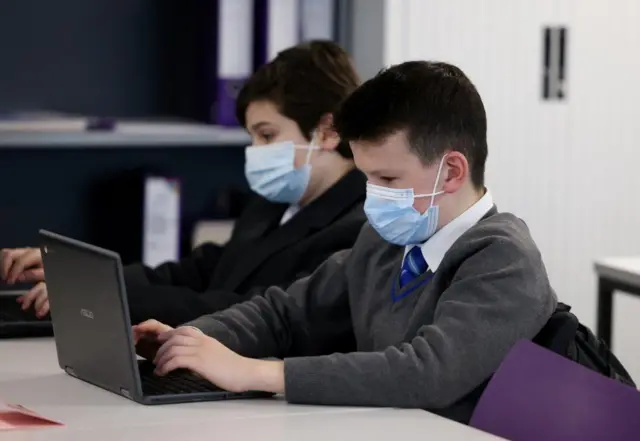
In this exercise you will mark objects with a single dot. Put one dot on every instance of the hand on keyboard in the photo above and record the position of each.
(21, 265)
(38, 298)
(145, 337)
(24, 265)
(188, 348)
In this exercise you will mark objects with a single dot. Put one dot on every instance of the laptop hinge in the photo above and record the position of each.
(70, 371)
(125, 392)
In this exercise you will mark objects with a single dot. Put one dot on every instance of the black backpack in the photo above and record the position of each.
(565, 335)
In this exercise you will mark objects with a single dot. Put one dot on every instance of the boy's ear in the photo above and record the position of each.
(326, 136)
(457, 172)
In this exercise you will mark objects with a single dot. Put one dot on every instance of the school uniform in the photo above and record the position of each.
(271, 244)
(363, 331)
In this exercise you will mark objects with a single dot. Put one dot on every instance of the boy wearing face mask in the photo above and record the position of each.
(437, 289)
(308, 205)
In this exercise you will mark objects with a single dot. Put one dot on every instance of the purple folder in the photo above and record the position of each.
(538, 395)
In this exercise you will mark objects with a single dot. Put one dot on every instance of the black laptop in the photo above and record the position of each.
(16, 323)
(92, 328)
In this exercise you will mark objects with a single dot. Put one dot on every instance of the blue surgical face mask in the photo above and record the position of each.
(271, 172)
(390, 211)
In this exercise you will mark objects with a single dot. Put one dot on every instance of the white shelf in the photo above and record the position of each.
(72, 135)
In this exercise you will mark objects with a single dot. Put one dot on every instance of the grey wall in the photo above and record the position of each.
(367, 36)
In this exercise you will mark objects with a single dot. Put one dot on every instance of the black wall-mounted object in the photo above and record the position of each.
(554, 70)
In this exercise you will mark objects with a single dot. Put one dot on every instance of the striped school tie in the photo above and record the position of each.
(413, 266)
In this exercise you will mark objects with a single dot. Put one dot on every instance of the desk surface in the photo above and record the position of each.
(620, 269)
(30, 376)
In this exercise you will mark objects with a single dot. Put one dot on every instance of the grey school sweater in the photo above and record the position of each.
(428, 350)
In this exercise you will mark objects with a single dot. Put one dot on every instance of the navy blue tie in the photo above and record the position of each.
(413, 266)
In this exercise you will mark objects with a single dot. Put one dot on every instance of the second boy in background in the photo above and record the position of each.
(309, 205)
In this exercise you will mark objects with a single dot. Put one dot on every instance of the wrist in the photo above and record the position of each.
(266, 376)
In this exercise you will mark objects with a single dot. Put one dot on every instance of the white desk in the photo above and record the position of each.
(614, 274)
(30, 376)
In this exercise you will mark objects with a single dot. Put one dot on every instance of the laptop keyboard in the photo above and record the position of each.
(11, 311)
(176, 382)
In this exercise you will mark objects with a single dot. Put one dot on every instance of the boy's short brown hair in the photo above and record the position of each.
(304, 82)
(436, 105)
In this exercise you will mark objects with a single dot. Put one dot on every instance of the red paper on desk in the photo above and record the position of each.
(14, 416)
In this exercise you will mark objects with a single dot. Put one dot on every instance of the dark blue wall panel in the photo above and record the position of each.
(57, 189)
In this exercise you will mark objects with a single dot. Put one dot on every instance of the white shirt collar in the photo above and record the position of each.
(289, 213)
(437, 246)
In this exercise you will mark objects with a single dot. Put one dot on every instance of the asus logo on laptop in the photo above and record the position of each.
(86, 313)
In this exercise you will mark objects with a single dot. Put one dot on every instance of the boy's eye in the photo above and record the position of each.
(387, 180)
(267, 137)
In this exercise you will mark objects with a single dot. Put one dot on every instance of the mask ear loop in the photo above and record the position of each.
(311, 148)
(435, 184)
(308, 160)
